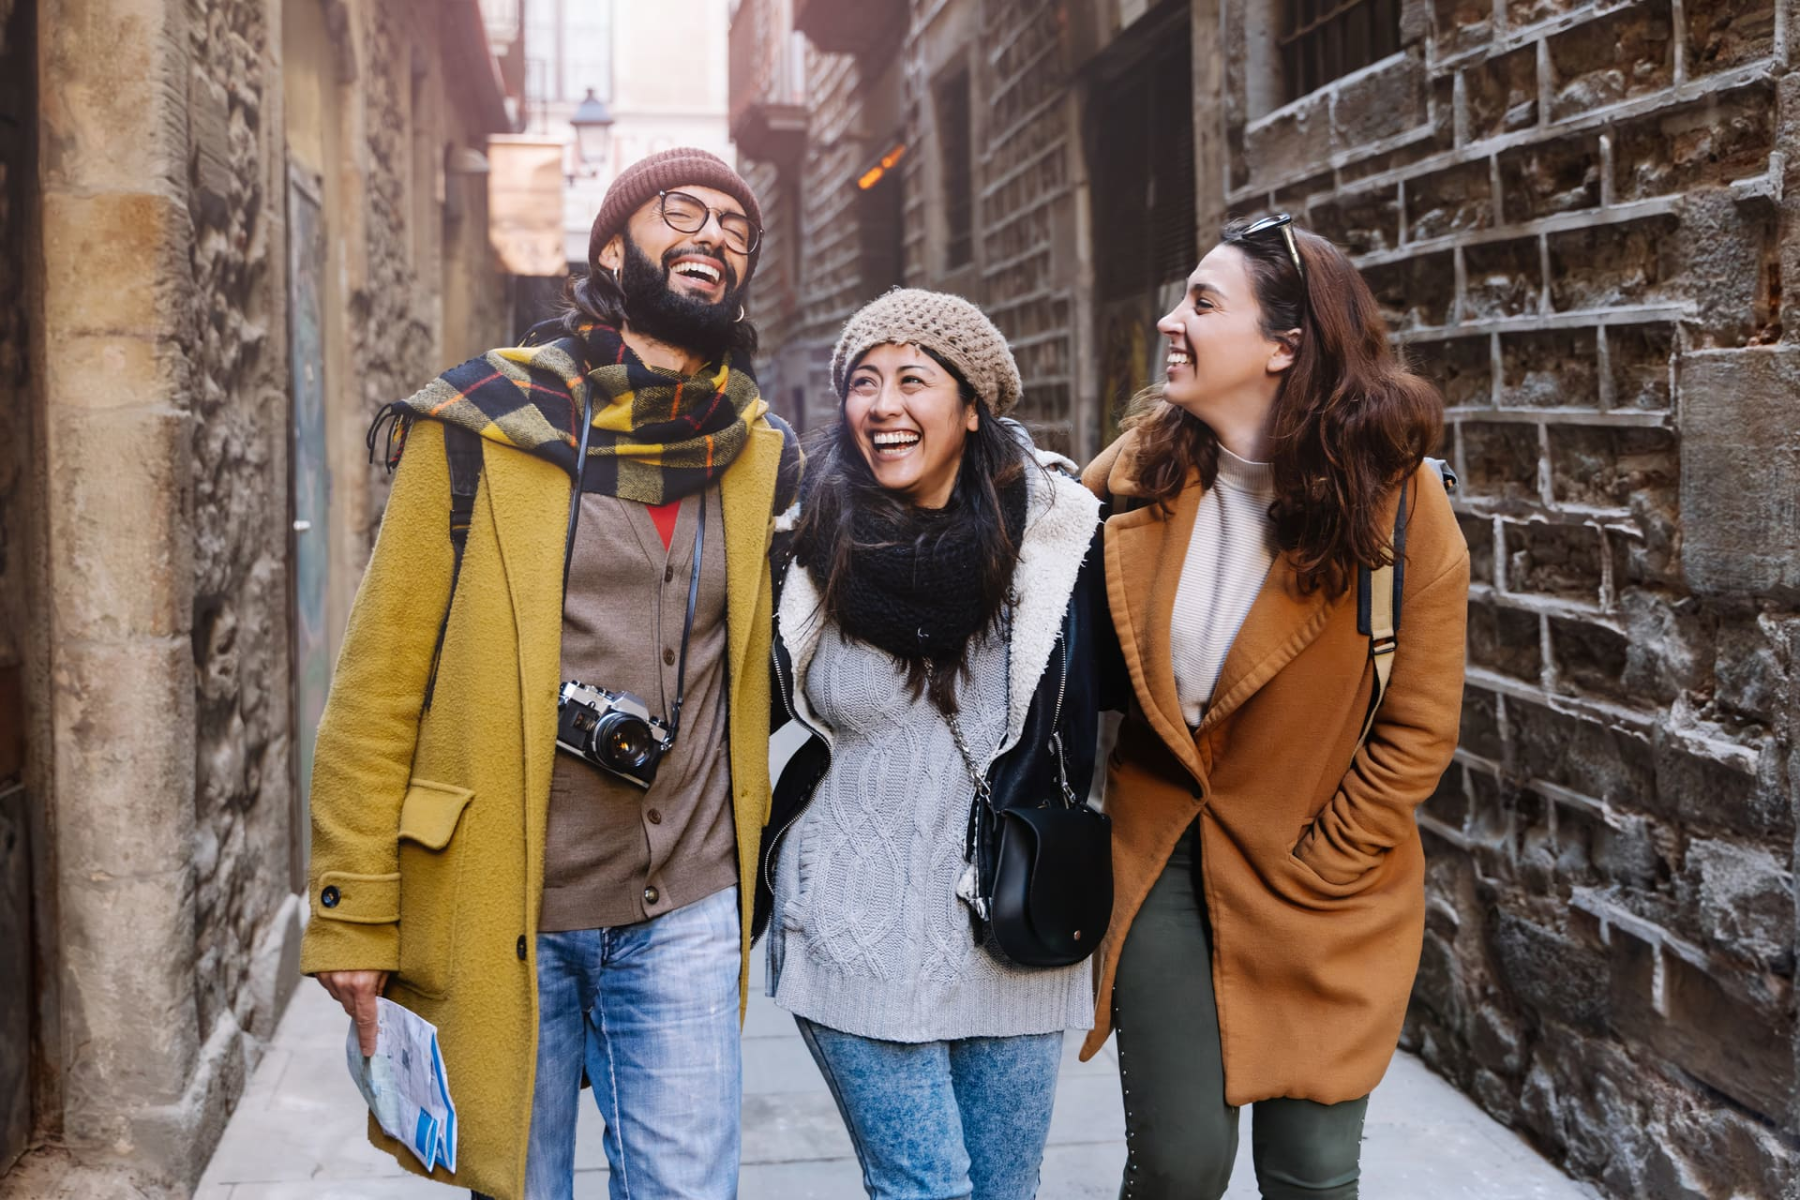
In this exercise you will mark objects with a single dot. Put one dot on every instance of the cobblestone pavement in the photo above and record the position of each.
(298, 1132)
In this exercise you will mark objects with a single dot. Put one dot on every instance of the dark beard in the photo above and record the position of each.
(656, 310)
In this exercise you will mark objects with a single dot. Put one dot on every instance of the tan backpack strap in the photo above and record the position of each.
(1378, 593)
(1383, 637)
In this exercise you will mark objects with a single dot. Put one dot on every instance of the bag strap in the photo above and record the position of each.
(462, 451)
(1378, 595)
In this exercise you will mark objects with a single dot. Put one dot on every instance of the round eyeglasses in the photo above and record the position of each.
(687, 214)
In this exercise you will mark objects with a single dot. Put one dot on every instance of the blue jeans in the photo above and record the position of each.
(943, 1120)
(651, 1010)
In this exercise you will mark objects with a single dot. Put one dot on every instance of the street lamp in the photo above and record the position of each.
(593, 123)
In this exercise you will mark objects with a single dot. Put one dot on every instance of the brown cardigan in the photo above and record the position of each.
(1310, 858)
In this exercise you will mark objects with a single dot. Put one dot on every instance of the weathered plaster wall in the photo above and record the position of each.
(1578, 219)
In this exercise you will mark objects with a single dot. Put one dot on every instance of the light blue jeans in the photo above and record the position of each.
(651, 1011)
(943, 1120)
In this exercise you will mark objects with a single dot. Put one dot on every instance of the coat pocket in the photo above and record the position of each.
(431, 857)
(1337, 884)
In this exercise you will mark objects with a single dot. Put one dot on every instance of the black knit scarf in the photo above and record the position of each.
(908, 588)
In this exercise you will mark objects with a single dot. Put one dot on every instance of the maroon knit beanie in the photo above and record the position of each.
(641, 181)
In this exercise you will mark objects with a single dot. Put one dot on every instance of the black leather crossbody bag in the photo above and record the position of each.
(1047, 898)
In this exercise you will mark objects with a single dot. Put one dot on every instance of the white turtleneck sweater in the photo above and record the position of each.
(1228, 559)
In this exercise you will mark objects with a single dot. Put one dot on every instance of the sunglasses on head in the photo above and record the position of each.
(1285, 223)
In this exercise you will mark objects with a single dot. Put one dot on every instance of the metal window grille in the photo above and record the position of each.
(1323, 40)
(1143, 176)
(880, 209)
(956, 143)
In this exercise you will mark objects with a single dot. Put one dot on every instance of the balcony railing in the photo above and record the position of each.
(767, 109)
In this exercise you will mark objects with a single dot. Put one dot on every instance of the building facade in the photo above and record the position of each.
(658, 68)
(1578, 218)
(230, 230)
(1036, 157)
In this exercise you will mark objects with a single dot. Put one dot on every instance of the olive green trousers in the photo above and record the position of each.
(1181, 1136)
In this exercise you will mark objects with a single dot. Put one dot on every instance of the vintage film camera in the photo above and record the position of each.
(613, 730)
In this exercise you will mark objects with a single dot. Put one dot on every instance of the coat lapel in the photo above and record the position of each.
(1281, 623)
(526, 494)
(747, 496)
(1144, 552)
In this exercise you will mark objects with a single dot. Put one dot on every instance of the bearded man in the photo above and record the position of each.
(541, 775)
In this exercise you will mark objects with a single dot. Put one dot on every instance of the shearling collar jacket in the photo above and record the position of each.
(1059, 646)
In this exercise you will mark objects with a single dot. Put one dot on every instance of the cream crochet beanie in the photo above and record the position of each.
(949, 325)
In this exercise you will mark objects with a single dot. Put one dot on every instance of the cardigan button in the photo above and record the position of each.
(520, 948)
(329, 897)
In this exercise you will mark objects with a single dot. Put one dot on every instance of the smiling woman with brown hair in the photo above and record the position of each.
(936, 641)
(1270, 501)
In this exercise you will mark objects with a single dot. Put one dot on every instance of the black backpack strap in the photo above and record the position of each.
(462, 449)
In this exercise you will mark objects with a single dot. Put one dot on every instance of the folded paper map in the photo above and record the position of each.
(404, 1084)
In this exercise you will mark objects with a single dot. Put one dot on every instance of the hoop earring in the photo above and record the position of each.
(737, 319)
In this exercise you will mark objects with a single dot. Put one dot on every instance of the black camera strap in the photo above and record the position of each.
(693, 600)
(581, 459)
(687, 625)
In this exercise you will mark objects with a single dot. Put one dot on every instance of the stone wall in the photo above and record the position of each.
(233, 347)
(154, 420)
(1578, 219)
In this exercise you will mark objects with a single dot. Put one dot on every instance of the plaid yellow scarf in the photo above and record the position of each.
(657, 436)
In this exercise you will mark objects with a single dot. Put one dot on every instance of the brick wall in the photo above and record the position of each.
(1578, 219)
(1028, 150)
(1030, 243)
(809, 278)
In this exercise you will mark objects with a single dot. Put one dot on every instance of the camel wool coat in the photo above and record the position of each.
(430, 829)
(1311, 864)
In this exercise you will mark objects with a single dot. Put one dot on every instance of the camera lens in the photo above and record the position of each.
(623, 741)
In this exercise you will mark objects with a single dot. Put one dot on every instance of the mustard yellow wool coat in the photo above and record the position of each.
(1311, 865)
(432, 830)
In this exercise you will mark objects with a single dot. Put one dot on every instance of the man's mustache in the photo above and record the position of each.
(712, 256)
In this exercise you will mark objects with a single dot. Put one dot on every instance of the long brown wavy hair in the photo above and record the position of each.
(1349, 423)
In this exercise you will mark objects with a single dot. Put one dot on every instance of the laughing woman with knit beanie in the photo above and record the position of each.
(937, 621)
(1272, 509)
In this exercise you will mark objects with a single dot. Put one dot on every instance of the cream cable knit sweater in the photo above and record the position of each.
(868, 936)
(1228, 559)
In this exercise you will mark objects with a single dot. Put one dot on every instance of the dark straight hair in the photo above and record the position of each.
(839, 486)
(1350, 422)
